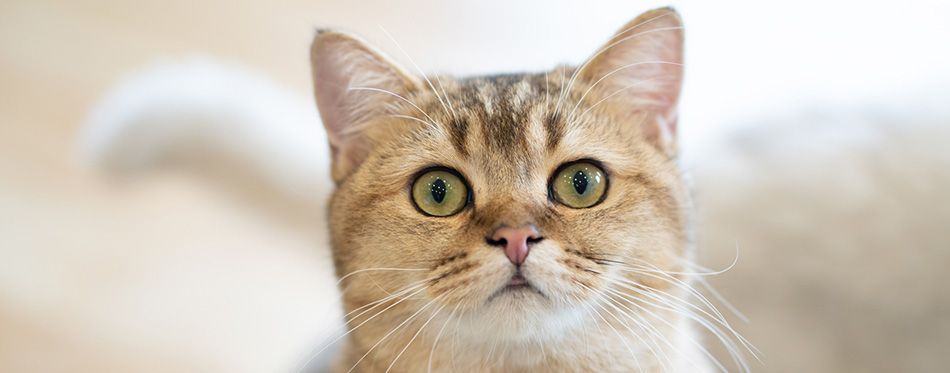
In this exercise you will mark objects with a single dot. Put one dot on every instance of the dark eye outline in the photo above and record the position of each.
(415, 177)
(560, 168)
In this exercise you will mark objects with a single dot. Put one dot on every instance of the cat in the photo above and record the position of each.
(521, 222)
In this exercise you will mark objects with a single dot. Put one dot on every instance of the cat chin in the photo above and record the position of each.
(517, 299)
(520, 315)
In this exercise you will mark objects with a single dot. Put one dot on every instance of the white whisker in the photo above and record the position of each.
(378, 269)
(421, 73)
(415, 335)
(436, 341)
(622, 339)
(614, 304)
(560, 96)
(626, 325)
(432, 127)
(395, 95)
(721, 299)
(425, 51)
(374, 305)
(654, 294)
(653, 329)
(607, 98)
(390, 333)
(719, 318)
(617, 70)
(651, 272)
(680, 309)
(608, 47)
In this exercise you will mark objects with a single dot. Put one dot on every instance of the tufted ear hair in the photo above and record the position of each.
(353, 84)
(642, 67)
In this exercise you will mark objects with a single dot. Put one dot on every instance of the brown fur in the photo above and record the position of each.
(506, 135)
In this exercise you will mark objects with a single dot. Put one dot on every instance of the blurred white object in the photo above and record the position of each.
(226, 123)
(200, 111)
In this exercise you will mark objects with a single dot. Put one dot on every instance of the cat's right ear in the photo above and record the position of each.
(641, 67)
(353, 84)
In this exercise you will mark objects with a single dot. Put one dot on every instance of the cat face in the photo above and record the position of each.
(519, 201)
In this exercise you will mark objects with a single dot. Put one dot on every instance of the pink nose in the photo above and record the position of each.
(515, 241)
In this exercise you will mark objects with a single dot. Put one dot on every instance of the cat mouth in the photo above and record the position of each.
(517, 286)
(517, 280)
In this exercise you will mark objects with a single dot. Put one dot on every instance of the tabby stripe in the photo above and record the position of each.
(458, 131)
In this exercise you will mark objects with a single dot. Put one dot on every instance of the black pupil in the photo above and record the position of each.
(438, 190)
(580, 182)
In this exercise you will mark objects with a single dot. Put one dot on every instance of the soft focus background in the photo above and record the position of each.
(815, 133)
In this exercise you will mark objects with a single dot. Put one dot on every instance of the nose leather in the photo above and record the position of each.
(515, 241)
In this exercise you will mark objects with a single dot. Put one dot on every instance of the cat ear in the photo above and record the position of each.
(353, 84)
(642, 67)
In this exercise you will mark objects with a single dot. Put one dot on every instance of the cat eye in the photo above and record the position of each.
(580, 184)
(439, 192)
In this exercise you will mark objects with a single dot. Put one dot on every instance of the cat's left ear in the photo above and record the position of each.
(640, 70)
(353, 85)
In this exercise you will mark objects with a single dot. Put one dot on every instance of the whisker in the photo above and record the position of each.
(623, 296)
(557, 107)
(416, 335)
(374, 304)
(378, 269)
(425, 51)
(709, 287)
(649, 333)
(607, 98)
(727, 341)
(608, 47)
(603, 337)
(673, 308)
(395, 95)
(546, 90)
(622, 339)
(422, 73)
(675, 281)
(679, 330)
(377, 304)
(378, 286)
(706, 271)
(456, 340)
(721, 299)
(490, 353)
(390, 332)
(436, 341)
(626, 325)
(431, 126)
(615, 71)
(719, 318)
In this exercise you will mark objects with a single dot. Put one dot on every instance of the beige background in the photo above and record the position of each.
(842, 250)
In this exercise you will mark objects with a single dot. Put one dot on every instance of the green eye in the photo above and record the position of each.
(439, 193)
(579, 185)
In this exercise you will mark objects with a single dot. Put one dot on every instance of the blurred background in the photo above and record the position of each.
(815, 134)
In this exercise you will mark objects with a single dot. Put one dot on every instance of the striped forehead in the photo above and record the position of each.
(498, 124)
(501, 115)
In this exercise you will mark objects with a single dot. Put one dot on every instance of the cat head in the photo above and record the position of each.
(519, 200)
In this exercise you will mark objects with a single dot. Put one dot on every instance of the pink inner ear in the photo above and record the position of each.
(331, 83)
(341, 63)
(642, 66)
